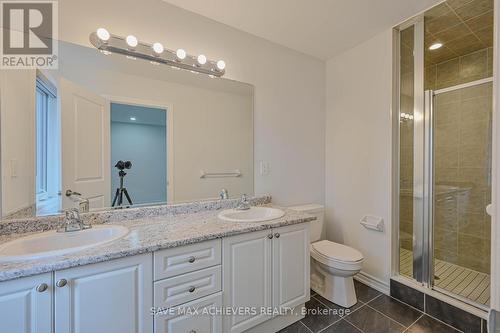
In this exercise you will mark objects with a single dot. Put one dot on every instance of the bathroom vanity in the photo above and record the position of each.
(166, 266)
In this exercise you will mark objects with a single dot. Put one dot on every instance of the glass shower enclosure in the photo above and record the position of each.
(444, 163)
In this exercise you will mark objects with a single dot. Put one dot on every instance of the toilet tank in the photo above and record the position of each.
(317, 226)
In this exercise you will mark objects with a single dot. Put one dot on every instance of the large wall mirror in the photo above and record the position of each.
(110, 131)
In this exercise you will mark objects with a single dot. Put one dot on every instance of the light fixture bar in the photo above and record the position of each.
(118, 44)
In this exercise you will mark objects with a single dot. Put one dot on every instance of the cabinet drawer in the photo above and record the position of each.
(183, 319)
(184, 259)
(187, 287)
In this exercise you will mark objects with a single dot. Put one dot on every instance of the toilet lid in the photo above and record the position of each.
(337, 251)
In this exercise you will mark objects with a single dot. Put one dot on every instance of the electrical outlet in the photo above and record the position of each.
(13, 168)
(264, 168)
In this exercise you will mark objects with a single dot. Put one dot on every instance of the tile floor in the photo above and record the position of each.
(374, 313)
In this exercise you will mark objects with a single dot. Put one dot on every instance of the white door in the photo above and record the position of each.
(85, 136)
(26, 305)
(113, 297)
(291, 266)
(246, 278)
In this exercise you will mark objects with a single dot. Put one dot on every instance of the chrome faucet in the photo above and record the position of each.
(243, 204)
(83, 203)
(224, 194)
(73, 221)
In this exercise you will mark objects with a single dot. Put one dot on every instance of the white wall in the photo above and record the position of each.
(289, 101)
(358, 149)
(17, 140)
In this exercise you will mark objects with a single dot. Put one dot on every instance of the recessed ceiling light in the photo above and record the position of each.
(132, 118)
(435, 46)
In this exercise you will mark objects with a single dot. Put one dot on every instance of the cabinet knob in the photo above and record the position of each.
(270, 236)
(191, 259)
(42, 287)
(192, 288)
(277, 235)
(192, 331)
(61, 283)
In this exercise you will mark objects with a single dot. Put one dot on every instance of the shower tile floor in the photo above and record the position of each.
(458, 280)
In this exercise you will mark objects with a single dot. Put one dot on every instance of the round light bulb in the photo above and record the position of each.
(202, 60)
(221, 65)
(181, 54)
(131, 41)
(158, 48)
(103, 34)
(435, 46)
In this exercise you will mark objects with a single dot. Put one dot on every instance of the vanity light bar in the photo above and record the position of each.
(155, 53)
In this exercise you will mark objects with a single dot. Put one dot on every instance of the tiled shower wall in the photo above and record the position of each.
(467, 68)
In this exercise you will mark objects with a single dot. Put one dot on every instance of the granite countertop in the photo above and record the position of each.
(146, 235)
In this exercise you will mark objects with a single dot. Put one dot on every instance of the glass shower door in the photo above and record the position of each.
(462, 190)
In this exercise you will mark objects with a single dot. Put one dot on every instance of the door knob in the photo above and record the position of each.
(61, 283)
(42, 287)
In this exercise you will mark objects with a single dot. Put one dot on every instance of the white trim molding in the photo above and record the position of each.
(373, 282)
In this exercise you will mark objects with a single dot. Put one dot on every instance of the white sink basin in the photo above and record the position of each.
(53, 243)
(254, 214)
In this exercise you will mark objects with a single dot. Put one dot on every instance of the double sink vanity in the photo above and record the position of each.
(195, 267)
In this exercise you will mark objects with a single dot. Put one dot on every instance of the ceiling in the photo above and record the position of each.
(462, 26)
(320, 28)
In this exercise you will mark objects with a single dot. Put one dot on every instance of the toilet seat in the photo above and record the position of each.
(336, 255)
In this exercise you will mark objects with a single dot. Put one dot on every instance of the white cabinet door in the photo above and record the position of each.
(246, 278)
(113, 297)
(291, 265)
(26, 305)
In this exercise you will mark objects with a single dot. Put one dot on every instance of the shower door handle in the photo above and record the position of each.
(489, 210)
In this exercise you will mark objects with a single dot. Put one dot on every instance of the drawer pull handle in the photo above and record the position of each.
(42, 287)
(277, 235)
(192, 288)
(191, 259)
(61, 283)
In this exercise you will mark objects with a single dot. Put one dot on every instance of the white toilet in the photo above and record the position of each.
(333, 265)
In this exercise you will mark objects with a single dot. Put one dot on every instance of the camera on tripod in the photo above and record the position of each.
(122, 165)
(120, 191)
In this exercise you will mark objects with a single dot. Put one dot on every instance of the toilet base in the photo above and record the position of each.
(337, 289)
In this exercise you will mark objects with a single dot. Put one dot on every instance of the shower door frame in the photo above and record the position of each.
(422, 159)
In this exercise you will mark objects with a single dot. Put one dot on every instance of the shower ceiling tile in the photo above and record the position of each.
(442, 22)
(474, 30)
(457, 31)
(486, 36)
(474, 8)
(480, 22)
(436, 11)
(457, 3)
(466, 44)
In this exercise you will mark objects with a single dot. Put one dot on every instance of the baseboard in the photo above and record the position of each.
(373, 282)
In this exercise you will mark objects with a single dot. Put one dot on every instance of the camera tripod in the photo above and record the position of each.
(120, 191)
